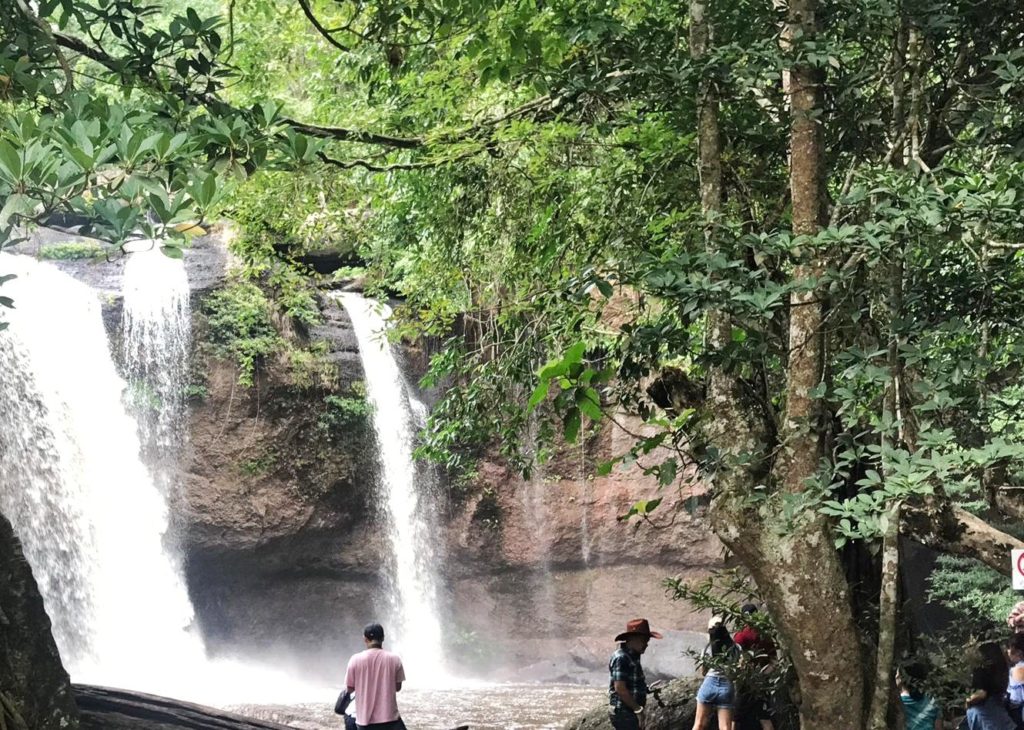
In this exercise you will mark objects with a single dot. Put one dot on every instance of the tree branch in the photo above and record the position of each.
(938, 524)
(308, 12)
(343, 134)
(367, 165)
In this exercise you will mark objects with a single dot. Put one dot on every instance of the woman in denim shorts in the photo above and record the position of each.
(717, 692)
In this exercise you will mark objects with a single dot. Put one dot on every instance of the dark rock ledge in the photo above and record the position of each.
(103, 708)
(673, 707)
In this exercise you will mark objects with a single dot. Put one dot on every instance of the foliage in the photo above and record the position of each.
(724, 593)
(196, 392)
(71, 250)
(259, 465)
(980, 597)
(526, 178)
(309, 366)
(241, 328)
(343, 413)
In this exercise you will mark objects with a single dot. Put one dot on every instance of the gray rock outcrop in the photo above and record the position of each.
(672, 708)
(35, 692)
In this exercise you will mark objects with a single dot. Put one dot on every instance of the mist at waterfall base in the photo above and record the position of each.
(405, 516)
(86, 460)
(88, 511)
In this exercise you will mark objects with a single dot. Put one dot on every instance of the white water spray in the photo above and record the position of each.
(77, 492)
(86, 508)
(417, 626)
(156, 332)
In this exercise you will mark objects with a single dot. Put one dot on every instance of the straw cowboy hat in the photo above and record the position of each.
(638, 627)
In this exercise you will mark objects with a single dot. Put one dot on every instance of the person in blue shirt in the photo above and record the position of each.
(920, 711)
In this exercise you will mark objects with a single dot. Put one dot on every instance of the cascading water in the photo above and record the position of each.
(156, 332)
(90, 517)
(417, 626)
(584, 505)
(80, 498)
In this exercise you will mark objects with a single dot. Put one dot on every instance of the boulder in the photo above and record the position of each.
(35, 692)
(671, 708)
(104, 708)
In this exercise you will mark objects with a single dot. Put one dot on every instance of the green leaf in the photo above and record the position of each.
(539, 393)
(589, 402)
(171, 251)
(10, 160)
(571, 424)
(553, 369)
(575, 353)
(667, 472)
(17, 204)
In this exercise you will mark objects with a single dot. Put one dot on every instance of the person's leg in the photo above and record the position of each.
(625, 720)
(701, 718)
(724, 718)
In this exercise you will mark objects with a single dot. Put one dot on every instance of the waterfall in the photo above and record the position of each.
(585, 496)
(80, 498)
(417, 628)
(156, 332)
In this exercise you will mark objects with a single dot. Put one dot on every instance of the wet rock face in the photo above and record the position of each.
(281, 559)
(35, 692)
(285, 549)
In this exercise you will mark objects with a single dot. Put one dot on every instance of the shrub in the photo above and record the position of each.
(72, 250)
(343, 413)
(240, 327)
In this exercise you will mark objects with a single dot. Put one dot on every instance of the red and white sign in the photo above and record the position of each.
(1017, 566)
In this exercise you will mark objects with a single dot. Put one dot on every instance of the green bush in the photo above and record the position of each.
(72, 250)
(980, 597)
(196, 392)
(241, 328)
(343, 413)
(310, 368)
(259, 465)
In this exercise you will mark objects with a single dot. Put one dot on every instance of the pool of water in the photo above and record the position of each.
(484, 707)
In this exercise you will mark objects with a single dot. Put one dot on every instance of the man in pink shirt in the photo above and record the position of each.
(376, 676)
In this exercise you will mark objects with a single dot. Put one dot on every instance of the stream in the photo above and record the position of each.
(482, 707)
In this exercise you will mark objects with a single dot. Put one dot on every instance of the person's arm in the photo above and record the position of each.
(978, 697)
(399, 676)
(626, 696)
(938, 722)
(350, 677)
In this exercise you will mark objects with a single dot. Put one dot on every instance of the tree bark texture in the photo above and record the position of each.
(950, 529)
(888, 613)
(789, 550)
(791, 557)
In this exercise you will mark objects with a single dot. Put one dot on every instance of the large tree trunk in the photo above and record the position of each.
(789, 550)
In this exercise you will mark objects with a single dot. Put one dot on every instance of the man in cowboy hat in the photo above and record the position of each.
(627, 687)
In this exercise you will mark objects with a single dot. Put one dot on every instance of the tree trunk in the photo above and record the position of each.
(888, 613)
(788, 549)
(950, 529)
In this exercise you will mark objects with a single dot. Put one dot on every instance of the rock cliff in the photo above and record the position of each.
(35, 692)
(284, 548)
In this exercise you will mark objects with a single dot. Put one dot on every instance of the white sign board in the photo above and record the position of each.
(1017, 566)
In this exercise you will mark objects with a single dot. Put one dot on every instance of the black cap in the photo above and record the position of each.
(374, 632)
(749, 608)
